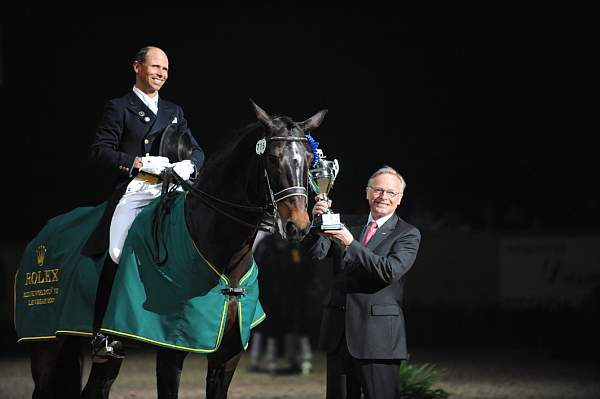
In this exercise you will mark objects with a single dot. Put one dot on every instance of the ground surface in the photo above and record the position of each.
(471, 374)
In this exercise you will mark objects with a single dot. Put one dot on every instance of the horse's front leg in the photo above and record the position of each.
(44, 359)
(169, 364)
(56, 368)
(222, 364)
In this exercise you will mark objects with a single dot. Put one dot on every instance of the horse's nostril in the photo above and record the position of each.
(291, 229)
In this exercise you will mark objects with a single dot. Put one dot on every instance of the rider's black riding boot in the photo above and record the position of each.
(169, 364)
(103, 346)
(102, 377)
(217, 383)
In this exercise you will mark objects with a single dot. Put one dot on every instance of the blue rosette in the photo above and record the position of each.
(313, 145)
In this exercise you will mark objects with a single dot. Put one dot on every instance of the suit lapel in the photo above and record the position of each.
(140, 109)
(383, 232)
(162, 119)
(358, 229)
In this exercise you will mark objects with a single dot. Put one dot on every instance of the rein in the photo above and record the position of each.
(269, 209)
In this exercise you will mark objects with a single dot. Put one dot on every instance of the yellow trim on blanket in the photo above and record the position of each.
(36, 338)
(252, 325)
(248, 273)
(68, 332)
(144, 339)
(258, 321)
(222, 325)
(74, 332)
(214, 269)
(15, 300)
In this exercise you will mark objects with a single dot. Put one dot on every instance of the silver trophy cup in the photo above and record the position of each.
(321, 179)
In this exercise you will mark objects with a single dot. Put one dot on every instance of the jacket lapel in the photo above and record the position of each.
(165, 111)
(383, 232)
(358, 229)
(135, 105)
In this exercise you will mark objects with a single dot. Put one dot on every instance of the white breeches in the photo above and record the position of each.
(139, 194)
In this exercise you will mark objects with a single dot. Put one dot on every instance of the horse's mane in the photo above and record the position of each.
(228, 146)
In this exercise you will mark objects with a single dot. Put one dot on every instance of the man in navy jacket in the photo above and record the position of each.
(127, 140)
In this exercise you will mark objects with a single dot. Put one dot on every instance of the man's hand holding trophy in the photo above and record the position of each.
(321, 178)
(325, 221)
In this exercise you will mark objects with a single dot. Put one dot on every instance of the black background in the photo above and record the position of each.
(487, 112)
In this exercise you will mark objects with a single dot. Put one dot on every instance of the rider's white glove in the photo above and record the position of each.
(154, 165)
(184, 169)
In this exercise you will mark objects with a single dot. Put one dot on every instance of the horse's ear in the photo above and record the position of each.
(262, 115)
(313, 122)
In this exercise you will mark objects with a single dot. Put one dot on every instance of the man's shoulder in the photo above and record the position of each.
(164, 102)
(123, 100)
(405, 227)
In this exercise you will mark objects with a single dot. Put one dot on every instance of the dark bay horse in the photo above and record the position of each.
(259, 180)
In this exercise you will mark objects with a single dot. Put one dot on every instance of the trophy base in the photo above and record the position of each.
(324, 227)
(327, 221)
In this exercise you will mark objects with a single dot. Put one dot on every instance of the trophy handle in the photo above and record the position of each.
(336, 168)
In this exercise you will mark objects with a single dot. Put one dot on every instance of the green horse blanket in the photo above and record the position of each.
(55, 286)
(177, 304)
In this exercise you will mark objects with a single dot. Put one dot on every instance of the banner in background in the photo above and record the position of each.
(548, 271)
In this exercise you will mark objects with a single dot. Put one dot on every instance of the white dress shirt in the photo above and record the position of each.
(150, 102)
(381, 220)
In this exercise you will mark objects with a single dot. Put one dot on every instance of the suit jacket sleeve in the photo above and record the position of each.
(391, 266)
(317, 246)
(105, 148)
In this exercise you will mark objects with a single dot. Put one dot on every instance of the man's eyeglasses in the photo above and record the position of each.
(380, 191)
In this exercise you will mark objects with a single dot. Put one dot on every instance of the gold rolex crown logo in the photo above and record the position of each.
(40, 252)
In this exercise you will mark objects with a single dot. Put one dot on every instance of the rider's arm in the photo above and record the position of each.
(105, 148)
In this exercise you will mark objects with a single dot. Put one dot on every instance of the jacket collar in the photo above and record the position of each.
(381, 233)
(157, 123)
(166, 113)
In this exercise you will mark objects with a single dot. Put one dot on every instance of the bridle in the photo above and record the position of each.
(292, 191)
(270, 220)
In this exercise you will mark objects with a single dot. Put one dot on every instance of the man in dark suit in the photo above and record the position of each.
(362, 329)
(127, 140)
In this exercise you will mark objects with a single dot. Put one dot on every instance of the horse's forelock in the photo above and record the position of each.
(286, 126)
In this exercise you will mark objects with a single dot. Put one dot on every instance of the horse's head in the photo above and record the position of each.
(288, 156)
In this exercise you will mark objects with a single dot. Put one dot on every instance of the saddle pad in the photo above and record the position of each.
(177, 304)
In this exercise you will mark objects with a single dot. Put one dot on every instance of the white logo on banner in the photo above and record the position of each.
(552, 271)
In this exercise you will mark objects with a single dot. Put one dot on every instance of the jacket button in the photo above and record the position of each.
(146, 141)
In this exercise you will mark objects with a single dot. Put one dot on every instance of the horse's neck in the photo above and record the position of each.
(224, 243)
(227, 244)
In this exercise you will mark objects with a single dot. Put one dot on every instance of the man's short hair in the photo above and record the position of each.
(390, 171)
(140, 56)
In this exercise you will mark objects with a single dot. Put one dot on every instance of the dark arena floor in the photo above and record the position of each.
(470, 373)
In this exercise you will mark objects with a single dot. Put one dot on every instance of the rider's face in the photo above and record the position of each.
(153, 72)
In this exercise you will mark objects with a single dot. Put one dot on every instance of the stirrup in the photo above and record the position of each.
(102, 349)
